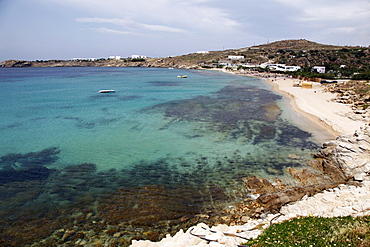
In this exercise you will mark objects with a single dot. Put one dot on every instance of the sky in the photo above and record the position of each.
(66, 29)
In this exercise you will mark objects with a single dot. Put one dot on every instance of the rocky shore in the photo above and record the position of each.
(337, 185)
(344, 161)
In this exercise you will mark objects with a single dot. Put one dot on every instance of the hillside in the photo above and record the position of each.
(300, 52)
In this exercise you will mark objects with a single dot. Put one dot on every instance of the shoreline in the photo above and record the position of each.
(344, 199)
(314, 104)
(318, 107)
(312, 118)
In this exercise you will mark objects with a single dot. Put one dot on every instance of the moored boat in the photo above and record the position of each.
(107, 91)
(182, 76)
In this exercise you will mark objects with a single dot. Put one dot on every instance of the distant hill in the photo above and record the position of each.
(291, 52)
(297, 45)
(299, 52)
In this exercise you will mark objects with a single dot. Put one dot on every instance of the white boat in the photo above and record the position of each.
(182, 76)
(107, 91)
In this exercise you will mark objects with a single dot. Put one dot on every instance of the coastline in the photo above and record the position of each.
(348, 152)
(315, 104)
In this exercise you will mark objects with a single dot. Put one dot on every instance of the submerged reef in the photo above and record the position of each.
(237, 112)
(30, 166)
(20, 161)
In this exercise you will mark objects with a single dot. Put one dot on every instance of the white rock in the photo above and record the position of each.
(360, 176)
(215, 244)
(213, 237)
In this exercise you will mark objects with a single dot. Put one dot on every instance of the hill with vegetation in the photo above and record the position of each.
(339, 61)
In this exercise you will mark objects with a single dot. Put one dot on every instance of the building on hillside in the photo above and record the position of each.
(202, 52)
(274, 67)
(319, 69)
(226, 63)
(138, 57)
(280, 67)
(115, 57)
(292, 68)
(84, 59)
(236, 58)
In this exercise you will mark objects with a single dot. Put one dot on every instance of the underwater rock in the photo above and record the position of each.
(81, 169)
(33, 173)
(23, 161)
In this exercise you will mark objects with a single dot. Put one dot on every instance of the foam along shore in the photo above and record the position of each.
(350, 152)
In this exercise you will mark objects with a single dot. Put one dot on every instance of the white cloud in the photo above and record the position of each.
(328, 10)
(163, 15)
(107, 30)
(342, 30)
(132, 25)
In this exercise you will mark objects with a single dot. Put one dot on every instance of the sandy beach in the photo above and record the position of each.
(317, 105)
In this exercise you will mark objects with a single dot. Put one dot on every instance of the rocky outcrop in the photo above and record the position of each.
(353, 93)
(342, 164)
(350, 155)
(15, 63)
(344, 200)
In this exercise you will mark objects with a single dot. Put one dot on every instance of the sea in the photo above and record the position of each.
(158, 149)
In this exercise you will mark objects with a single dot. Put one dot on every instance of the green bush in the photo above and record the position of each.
(314, 231)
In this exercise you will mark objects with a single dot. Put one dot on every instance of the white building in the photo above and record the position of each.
(115, 57)
(241, 58)
(292, 68)
(202, 52)
(319, 69)
(280, 67)
(138, 57)
(84, 59)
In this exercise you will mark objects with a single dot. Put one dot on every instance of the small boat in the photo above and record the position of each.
(182, 76)
(107, 91)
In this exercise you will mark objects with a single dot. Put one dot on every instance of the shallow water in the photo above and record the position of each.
(63, 143)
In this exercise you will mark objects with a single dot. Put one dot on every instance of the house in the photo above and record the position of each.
(319, 69)
(280, 67)
(292, 68)
(115, 57)
(239, 58)
(138, 57)
(202, 52)
(84, 59)
(275, 67)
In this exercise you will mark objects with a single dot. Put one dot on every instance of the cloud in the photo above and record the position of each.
(342, 30)
(328, 10)
(175, 16)
(107, 30)
(132, 25)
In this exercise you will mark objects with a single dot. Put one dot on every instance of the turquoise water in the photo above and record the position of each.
(210, 129)
(61, 107)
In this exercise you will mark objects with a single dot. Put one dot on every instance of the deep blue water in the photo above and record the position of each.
(208, 129)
